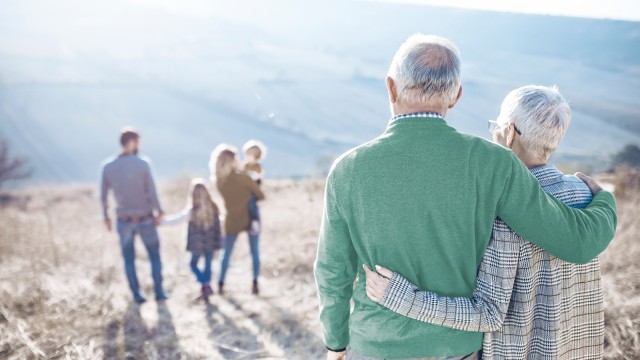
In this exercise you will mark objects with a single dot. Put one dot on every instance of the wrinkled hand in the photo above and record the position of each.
(107, 223)
(377, 282)
(334, 355)
(592, 184)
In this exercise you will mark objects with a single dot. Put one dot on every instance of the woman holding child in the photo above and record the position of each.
(237, 189)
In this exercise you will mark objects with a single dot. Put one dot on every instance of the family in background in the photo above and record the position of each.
(138, 212)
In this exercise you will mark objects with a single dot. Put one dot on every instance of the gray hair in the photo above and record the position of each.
(541, 114)
(426, 69)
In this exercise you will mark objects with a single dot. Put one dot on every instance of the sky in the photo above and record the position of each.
(597, 9)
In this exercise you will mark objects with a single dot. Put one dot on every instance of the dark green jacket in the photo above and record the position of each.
(421, 200)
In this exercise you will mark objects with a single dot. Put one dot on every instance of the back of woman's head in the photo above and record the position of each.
(541, 114)
(222, 161)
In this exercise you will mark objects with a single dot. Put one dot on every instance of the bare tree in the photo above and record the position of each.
(11, 167)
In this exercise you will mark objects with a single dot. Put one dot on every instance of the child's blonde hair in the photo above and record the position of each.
(204, 212)
(258, 147)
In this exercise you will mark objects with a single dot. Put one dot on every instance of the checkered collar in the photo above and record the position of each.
(546, 172)
(417, 115)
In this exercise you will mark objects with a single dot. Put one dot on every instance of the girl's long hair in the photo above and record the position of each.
(221, 163)
(204, 211)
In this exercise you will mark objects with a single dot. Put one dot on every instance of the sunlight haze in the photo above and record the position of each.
(615, 9)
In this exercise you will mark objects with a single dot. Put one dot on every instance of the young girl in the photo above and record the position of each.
(203, 235)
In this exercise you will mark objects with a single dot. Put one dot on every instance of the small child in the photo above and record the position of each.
(203, 236)
(254, 152)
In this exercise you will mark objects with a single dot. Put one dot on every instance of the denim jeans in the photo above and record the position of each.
(147, 231)
(203, 276)
(229, 242)
(254, 211)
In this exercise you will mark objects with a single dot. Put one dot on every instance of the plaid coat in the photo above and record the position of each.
(530, 304)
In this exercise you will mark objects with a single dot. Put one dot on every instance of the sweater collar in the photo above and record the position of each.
(417, 115)
(416, 118)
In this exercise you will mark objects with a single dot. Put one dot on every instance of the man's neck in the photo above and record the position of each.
(397, 109)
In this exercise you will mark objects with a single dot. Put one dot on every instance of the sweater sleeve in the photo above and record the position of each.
(335, 272)
(253, 187)
(485, 310)
(217, 233)
(179, 218)
(104, 194)
(573, 235)
(151, 190)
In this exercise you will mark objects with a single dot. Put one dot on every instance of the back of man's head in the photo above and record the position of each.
(426, 70)
(128, 134)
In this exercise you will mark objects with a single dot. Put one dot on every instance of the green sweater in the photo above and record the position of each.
(421, 200)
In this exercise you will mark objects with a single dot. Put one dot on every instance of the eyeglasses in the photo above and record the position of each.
(494, 124)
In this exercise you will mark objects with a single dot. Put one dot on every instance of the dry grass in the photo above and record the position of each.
(63, 293)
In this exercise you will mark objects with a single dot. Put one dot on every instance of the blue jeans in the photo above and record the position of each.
(254, 211)
(147, 231)
(229, 242)
(203, 276)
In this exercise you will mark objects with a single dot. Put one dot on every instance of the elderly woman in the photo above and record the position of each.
(529, 303)
(236, 189)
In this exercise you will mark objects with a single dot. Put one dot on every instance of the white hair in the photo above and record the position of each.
(426, 69)
(541, 115)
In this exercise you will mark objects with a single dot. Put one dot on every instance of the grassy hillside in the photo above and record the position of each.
(63, 292)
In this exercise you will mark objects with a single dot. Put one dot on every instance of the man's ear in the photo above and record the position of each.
(392, 90)
(457, 98)
(511, 135)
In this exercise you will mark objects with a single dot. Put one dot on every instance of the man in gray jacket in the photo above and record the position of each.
(138, 209)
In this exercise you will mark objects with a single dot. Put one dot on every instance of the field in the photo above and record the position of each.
(63, 293)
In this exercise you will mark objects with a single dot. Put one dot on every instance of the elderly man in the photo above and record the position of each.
(421, 199)
(531, 304)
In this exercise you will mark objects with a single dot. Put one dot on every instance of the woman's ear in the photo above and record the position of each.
(511, 135)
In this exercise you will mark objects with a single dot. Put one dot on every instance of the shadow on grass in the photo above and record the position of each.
(287, 331)
(140, 342)
(231, 341)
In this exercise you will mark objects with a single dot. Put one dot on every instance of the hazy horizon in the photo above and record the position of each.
(624, 10)
(307, 79)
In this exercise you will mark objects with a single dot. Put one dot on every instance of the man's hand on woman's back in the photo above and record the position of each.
(592, 184)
